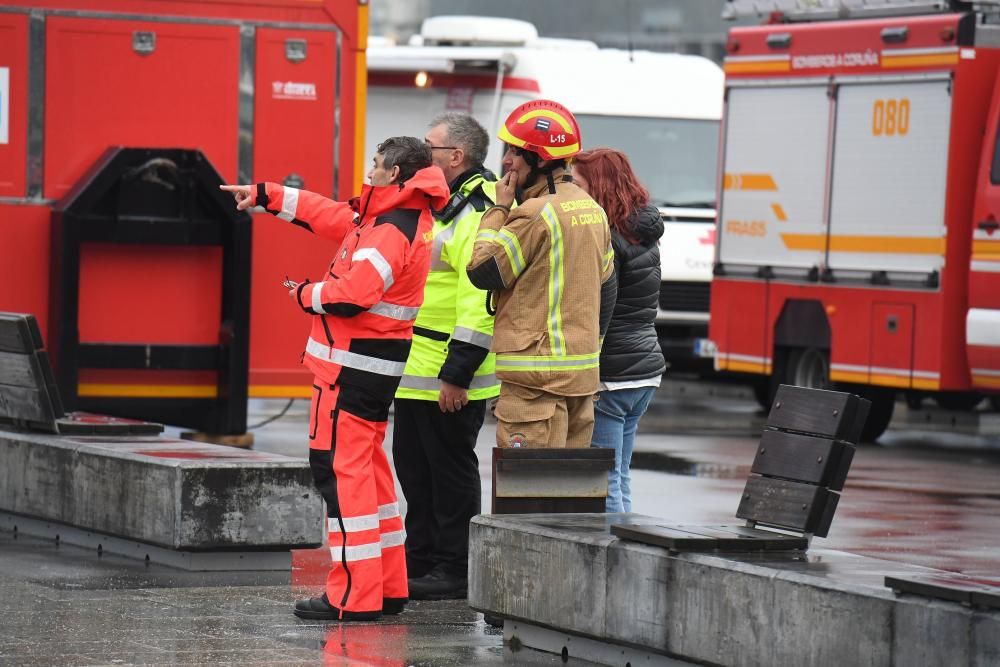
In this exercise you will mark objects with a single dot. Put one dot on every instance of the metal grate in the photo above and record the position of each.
(686, 296)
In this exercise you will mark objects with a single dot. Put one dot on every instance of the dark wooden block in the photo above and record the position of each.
(22, 404)
(20, 370)
(831, 414)
(85, 423)
(768, 540)
(663, 536)
(542, 505)
(942, 587)
(19, 333)
(987, 598)
(548, 453)
(777, 502)
(566, 464)
(803, 458)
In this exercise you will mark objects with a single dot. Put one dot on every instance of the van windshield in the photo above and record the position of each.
(674, 158)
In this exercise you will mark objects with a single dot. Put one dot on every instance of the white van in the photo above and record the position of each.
(662, 110)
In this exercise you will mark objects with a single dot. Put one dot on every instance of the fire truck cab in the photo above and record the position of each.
(858, 235)
(661, 109)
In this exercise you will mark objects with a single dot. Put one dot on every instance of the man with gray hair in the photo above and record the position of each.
(449, 375)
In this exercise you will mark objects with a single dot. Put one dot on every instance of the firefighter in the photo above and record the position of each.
(449, 376)
(362, 324)
(549, 263)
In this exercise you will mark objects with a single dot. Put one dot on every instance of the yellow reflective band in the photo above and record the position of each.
(508, 138)
(510, 244)
(556, 277)
(570, 362)
(513, 248)
(608, 258)
(546, 113)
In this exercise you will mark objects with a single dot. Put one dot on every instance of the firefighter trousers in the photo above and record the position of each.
(530, 417)
(346, 428)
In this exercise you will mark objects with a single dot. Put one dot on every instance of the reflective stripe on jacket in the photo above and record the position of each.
(363, 308)
(453, 331)
(548, 259)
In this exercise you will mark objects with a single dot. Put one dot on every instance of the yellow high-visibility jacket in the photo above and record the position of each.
(453, 331)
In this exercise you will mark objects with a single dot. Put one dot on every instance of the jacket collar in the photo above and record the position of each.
(427, 187)
(540, 187)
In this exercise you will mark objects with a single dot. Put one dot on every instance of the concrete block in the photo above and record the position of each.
(171, 493)
(985, 647)
(537, 575)
(930, 633)
(819, 607)
(640, 583)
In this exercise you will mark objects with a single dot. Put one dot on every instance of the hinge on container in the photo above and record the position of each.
(143, 42)
(295, 50)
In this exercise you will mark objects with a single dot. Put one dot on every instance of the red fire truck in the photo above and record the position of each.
(118, 120)
(858, 238)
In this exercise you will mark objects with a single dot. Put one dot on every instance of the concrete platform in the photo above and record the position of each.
(165, 492)
(567, 573)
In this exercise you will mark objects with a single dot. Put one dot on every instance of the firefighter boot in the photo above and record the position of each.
(321, 609)
(439, 585)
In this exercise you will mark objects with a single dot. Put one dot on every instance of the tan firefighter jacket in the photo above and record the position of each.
(550, 263)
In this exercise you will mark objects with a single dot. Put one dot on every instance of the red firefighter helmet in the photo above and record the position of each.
(544, 127)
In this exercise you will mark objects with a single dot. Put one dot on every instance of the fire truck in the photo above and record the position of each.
(661, 109)
(118, 121)
(858, 236)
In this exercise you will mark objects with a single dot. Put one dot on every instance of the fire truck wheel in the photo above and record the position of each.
(883, 404)
(808, 367)
(958, 400)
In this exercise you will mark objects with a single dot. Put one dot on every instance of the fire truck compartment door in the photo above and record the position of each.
(775, 166)
(889, 175)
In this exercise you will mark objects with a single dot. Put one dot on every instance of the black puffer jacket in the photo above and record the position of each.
(631, 348)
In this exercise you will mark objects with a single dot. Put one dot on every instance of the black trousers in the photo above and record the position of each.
(434, 454)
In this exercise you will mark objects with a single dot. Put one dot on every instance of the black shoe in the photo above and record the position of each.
(393, 606)
(321, 609)
(439, 585)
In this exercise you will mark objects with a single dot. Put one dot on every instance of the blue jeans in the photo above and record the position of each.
(616, 418)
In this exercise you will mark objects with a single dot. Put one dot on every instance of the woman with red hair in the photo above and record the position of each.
(631, 360)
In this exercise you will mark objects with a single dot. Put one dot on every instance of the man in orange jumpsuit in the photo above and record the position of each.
(362, 325)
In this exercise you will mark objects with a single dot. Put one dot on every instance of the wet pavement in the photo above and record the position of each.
(921, 496)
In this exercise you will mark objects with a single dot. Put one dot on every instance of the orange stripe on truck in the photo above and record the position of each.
(756, 66)
(896, 62)
(889, 245)
(749, 182)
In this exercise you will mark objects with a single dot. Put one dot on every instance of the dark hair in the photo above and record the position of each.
(408, 153)
(465, 131)
(613, 185)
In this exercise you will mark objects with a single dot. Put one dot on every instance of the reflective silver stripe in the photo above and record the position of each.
(446, 234)
(289, 202)
(360, 552)
(472, 336)
(353, 524)
(317, 306)
(354, 360)
(388, 511)
(434, 384)
(394, 311)
(393, 539)
(379, 262)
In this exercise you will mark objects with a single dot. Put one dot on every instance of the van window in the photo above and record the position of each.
(674, 158)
